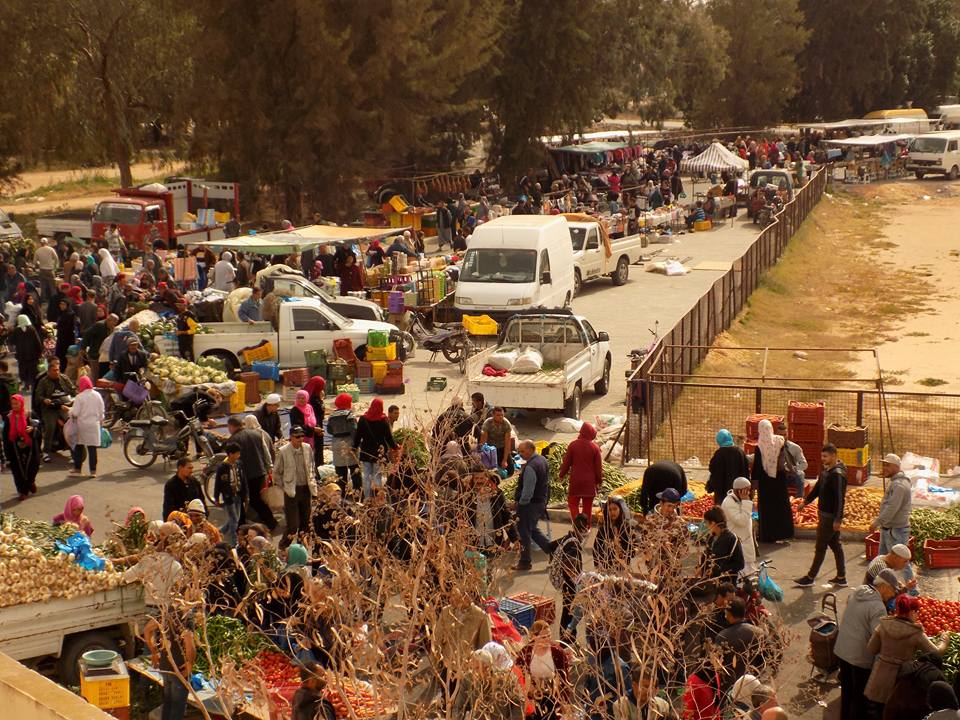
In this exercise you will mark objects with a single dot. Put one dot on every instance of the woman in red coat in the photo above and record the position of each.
(582, 460)
(351, 277)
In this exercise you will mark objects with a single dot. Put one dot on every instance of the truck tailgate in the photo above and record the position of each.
(38, 628)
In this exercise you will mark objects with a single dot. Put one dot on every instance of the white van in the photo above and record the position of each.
(936, 152)
(514, 263)
(949, 117)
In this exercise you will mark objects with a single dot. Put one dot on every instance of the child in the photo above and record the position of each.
(229, 486)
(308, 701)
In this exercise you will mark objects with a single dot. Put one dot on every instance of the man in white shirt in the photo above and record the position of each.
(47, 263)
(224, 272)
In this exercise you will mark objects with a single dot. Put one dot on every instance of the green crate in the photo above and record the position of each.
(378, 338)
(313, 358)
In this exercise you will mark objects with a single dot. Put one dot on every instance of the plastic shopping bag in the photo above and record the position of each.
(768, 588)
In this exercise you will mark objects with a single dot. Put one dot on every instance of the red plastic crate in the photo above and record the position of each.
(749, 446)
(753, 422)
(857, 475)
(871, 545)
(804, 434)
(545, 607)
(804, 413)
(942, 553)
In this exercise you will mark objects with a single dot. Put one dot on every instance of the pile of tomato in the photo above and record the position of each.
(939, 616)
(278, 670)
(696, 508)
(356, 696)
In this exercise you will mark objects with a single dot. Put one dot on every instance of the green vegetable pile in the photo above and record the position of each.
(613, 477)
(928, 524)
(147, 332)
(43, 534)
(127, 539)
(227, 638)
(951, 658)
(414, 446)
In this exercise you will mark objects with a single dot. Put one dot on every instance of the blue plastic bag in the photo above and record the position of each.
(768, 588)
(488, 456)
(84, 556)
(688, 497)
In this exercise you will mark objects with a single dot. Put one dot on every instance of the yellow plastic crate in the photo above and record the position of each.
(379, 370)
(237, 400)
(480, 325)
(856, 457)
(107, 692)
(382, 354)
(264, 352)
(265, 387)
(702, 225)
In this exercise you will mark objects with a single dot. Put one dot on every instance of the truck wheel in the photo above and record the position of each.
(954, 172)
(622, 273)
(77, 645)
(919, 174)
(603, 384)
(577, 282)
(572, 407)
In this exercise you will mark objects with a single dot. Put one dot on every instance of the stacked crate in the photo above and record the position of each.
(753, 429)
(805, 428)
(853, 450)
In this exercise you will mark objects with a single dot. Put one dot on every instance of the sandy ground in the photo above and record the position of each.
(920, 233)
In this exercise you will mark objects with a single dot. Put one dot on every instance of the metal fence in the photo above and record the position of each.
(712, 314)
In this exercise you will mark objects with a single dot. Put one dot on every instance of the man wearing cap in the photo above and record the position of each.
(268, 415)
(898, 560)
(132, 361)
(197, 513)
(894, 517)
(666, 538)
(658, 477)
(738, 510)
(295, 474)
(865, 608)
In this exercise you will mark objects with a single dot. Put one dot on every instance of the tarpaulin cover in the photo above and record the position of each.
(715, 158)
(592, 148)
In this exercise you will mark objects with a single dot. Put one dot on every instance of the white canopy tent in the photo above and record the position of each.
(714, 159)
(298, 239)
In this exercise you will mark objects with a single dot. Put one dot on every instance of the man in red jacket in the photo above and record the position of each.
(582, 460)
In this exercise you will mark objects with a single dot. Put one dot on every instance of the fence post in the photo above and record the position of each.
(860, 409)
(757, 399)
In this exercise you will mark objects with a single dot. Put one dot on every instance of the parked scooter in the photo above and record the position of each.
(119, 409)
(150, 438)
(454, 343)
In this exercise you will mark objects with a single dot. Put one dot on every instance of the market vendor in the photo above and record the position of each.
(132, 361)
(52, 396)
(249, 311)
(351, 276)
(268, 415)
(186, 329)
(73, 515)
(399, 247)
(375, 254)
(197, 512)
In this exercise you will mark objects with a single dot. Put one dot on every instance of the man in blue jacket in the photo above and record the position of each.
(533, 489)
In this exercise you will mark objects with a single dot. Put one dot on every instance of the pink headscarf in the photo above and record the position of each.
(84, 383)
(302, 402)
(18, 421)
(69, 515)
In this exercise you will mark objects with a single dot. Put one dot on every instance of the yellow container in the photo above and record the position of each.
(702, 225)
(379, 370)
(264, 352)
(265, 387)
(480, 325)
(856, 457)
(107, 691)
(541, 446)
(237, 403)
(382, 354)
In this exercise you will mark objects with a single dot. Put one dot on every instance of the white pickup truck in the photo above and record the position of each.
(66, 628)
(591, 259)
(70, 223)
(302, 324)
(575, 357)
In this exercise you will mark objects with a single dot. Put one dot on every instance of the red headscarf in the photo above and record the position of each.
(315, 386)
(18, 421)
(76, 294)
(375, 411)
(84, 383)
(343, 401)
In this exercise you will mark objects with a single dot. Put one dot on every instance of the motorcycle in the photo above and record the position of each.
(150, 438)
(453, 342)
(118, 409)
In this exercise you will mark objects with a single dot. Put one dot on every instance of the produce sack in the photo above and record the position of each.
(79, 545)
(502, 359)
(528, 361)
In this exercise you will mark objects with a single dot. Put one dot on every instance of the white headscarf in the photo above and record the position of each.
(499, 655)
(769, 446)
(227, 255)
(108, 266)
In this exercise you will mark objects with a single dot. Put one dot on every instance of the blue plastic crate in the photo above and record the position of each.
(266, 369)
(521, 614)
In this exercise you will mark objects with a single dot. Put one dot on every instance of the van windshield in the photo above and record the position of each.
(928, 145)
(495, 265)
(118, 213)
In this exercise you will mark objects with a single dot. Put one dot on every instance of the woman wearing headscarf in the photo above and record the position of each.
(585, 466)
(73, 514)
(546, 671)
(614, 545)
(108, 266)
(21, 445)
(87, 413)
(72, 265)
(373, 442)
(250, 422)
(315, 388)
(728, 463)
(30, 308)
(28, 349)
(342, 426)
(773, 498)
(351, 276)
(66, 330)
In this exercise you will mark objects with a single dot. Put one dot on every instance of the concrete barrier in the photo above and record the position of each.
(25, 693)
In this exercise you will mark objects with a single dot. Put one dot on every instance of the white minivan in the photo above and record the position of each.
(936, 152)
(517, 262)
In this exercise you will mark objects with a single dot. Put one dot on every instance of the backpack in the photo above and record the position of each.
(341, 425)
(556, 570)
